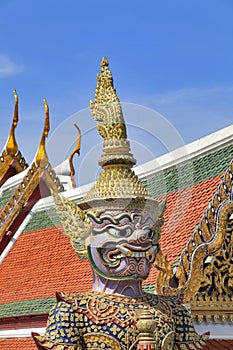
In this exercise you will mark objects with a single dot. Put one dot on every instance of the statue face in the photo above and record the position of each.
(122, 244)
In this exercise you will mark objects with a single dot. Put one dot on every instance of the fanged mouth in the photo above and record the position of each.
(133, 252)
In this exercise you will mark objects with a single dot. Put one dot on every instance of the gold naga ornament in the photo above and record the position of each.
(117, 186)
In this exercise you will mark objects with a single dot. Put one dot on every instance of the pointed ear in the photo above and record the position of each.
(158, 220)
(161, 208)
(75, 223)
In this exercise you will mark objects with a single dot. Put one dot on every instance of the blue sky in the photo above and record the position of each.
(173, 56)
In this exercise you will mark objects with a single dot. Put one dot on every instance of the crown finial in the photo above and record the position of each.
(41, 157)
(11, 146)
(106, 109)
(104, 62)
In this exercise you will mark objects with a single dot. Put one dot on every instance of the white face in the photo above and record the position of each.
(122, 244)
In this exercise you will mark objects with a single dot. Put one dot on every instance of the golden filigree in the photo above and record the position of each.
(107, 109)
(117, 186)
(165, 321)
(75, 223)
(24, 191)
(207, 238)
(117, 182)
(47, 344)
(213, 300)
(101, 341)
(165, 270)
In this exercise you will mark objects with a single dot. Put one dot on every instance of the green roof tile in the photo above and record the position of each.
(149, 288)
(190, 172)
(39, 306)
(6, 195)
(27, 307)
(171, 180)
(43, 219)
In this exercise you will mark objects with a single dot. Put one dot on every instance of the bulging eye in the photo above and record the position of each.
(126, 232)
(113, 232)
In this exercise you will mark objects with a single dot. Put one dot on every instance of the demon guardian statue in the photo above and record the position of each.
(117, 227)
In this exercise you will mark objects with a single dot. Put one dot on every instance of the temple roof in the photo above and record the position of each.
(196, 240)
(35, 184)
(36, 284)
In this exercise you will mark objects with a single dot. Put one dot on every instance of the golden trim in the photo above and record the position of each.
(24, 191)
(40, 169)
(11, 152)
(71, 156)
(100, 338)
(11, 146)
(207, 239)
(41, 157)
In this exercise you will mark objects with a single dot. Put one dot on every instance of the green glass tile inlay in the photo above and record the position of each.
(190, 173)
(6, 195)
(37, 306)
(171, 180)
(43, 219)
(149, 288)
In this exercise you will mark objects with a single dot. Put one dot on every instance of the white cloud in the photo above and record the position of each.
(194, 111)
(193, 93)
(8, 67)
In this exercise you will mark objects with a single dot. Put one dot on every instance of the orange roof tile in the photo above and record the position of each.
(218, 344)
(184, 210)
(40, 263)
(17, 343)
(45, 262)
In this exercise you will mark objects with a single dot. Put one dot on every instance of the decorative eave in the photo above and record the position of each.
(204, 273)
(11, 159)
(38, 181)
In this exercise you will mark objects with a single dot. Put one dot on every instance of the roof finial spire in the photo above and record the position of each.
(41, 157)
(71, 156)
(11, 146)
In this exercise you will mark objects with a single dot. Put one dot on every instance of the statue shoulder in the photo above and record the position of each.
(63, 321)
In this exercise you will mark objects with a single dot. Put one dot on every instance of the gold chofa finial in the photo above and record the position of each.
(11, 146)
(75, 150)
(46, 123)
(41, 157)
